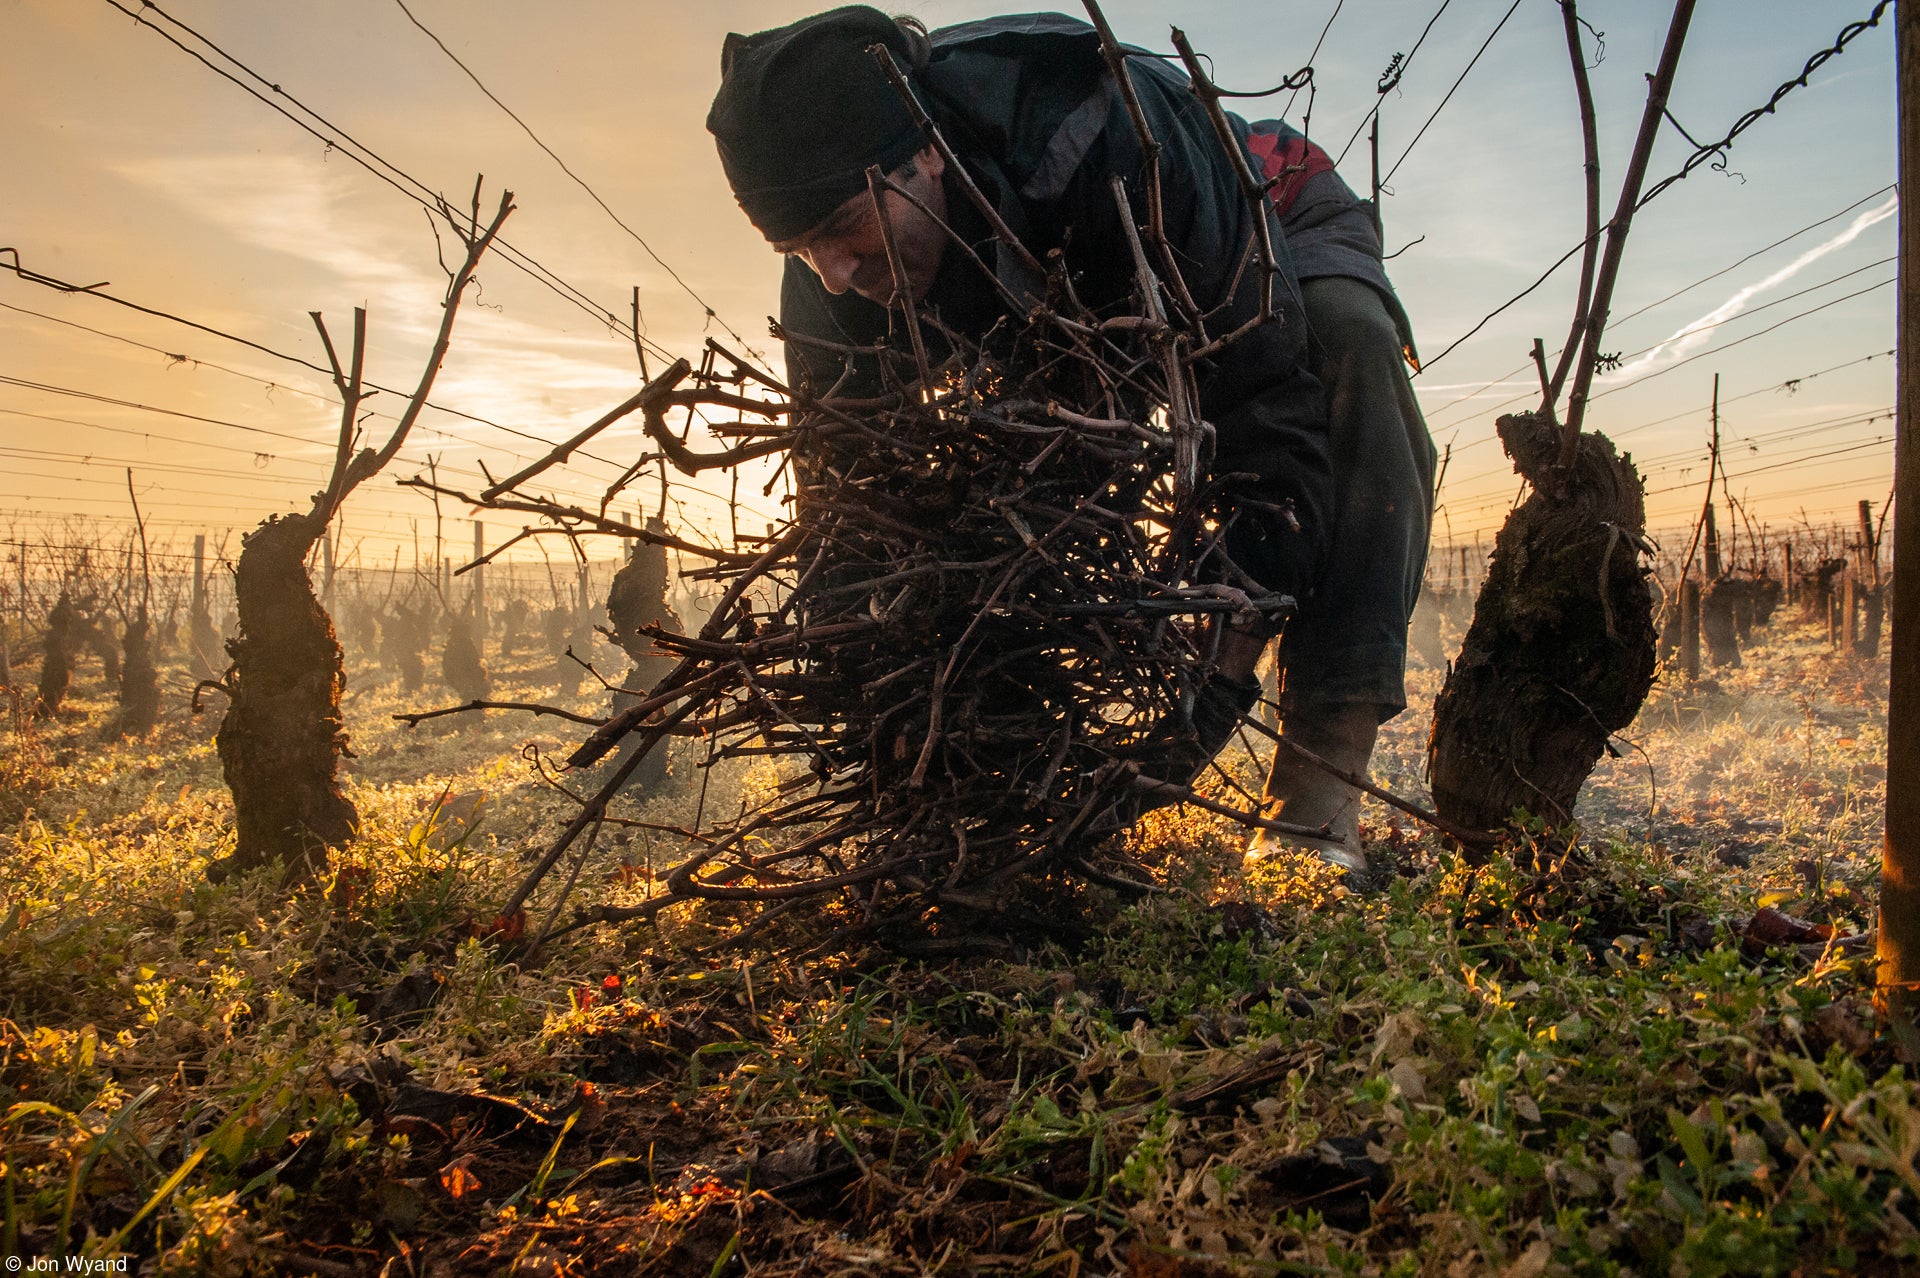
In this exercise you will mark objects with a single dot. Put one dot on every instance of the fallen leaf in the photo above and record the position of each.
(1532, 1262)
(1838, 1023)
(1144, 1262)
(399, 1203)
(592, 1107)
(1769, 927)
(1408, 1078)
(457, 1177)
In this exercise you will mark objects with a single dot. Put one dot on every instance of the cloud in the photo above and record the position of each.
(284, 204)
(1690, 337)
(1480, 389)
(315, 221)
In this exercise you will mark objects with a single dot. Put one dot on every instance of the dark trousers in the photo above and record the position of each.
(1348, 643)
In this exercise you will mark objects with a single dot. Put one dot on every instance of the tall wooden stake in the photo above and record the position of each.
(1850, 611)
(1869, 553)
(1900, 855)
(1690, 629)
(479, 581)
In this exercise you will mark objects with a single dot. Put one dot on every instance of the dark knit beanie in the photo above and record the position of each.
(803, 110)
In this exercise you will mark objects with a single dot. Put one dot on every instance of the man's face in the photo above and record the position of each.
(848, 251)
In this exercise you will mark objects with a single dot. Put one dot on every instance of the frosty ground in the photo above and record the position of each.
(1598, 1069)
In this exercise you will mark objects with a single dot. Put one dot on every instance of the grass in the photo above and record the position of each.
(1258, 1072)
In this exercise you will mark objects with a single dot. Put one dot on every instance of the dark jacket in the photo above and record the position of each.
(1028, 105)
(1331, 230)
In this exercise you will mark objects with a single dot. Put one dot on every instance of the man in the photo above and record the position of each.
(1033, 114)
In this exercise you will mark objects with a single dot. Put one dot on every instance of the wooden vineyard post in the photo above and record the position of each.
(1872, 622)
(1872, 600)
(1850, 611)
(1690, 629)
(1899, 945)
(479, 585)
(203, 639)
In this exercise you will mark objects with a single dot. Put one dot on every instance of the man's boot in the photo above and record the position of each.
(1304, 794)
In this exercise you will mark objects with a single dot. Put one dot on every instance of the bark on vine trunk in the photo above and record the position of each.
(281, 741)
(637, 599)
(139, 680)
(461, 666)
(1720, 621)
(1560, 654)
(56, 662)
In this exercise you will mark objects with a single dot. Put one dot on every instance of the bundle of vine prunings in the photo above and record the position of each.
(968, 651)
(972, 650)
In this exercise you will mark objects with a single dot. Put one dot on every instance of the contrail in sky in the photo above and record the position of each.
(1690, 336)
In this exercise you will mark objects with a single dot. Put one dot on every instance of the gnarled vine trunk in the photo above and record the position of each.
(1720, 606)
(56, 661)
(1560, 654)
(281, 741)
(139, 681)
(461, 665)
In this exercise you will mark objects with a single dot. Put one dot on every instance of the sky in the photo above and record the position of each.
(127, 161)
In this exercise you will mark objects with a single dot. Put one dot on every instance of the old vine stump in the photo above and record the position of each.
(139, 681)
(1720, 606)
(461, 666)
(281, 740)
(56, 665)
(637, 599)
(1560, 654)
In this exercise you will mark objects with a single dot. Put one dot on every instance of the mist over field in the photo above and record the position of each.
(528, 748)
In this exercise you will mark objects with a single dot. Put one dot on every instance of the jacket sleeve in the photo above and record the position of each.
(1268, 411)
(816, 321)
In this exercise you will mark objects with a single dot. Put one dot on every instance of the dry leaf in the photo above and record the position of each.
(1532, 1262)
(457, 1177)
(1411, 1082)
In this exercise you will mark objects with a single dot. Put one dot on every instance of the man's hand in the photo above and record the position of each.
(1240, 649)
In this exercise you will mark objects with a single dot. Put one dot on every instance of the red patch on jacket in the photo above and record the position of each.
(1293, 160)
